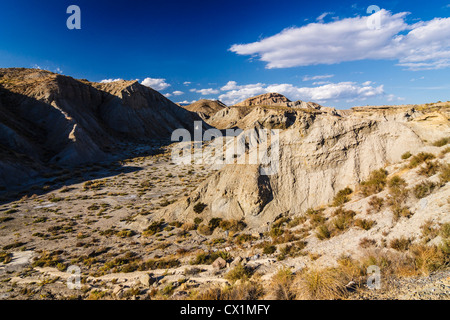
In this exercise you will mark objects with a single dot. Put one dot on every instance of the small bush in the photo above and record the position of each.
(375, 183)
(47, 259)
(375, 203)
(322, 232)
(428, 259)
(316, 218)
(429, 169)
(441, 142)
(396, 183)
(364, 224)
(444, 231)
(367, 243)
(269, 249)
(232, 225)
(204, 230)
(400, 211)
(199, 207)
(214, 223)
(209, 258)
(444, 176)
(5, 257)
(240, 272)
(245, 237)
(292, 250)
(406, 155)
(420, 158)
(282, 285)
(198, 220)
(400, 244)
(444, 152)
(155, 227)
(423, 189)
(341, 197)
(322, 284)
(429, 231)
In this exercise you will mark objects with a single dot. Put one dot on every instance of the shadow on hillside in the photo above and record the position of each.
(18, 113)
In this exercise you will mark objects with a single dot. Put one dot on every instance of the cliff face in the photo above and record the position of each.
(49, 118)
(319, 154)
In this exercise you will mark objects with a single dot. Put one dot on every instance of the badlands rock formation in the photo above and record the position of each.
(268, 99)
(206, 108)
(319, 154)
(49, 118)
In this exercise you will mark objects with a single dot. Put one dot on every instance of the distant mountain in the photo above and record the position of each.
(266, 99)
(206, 108)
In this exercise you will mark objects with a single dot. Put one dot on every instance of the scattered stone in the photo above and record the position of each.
(219, 263)
(147, 279)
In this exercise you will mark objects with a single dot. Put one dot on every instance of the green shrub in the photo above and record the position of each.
(322, 232)
(341, 197)
(429, 169)
(199, 207)
(441, 142)
(423, 189)
(214, 223)
(444, 232)
(209, 258)
(444, 176)
(364, 223)
(400, 244)
(198, 220)
(316, 217)
(239, 272)
(291, 250)
(406, 155)
(232, 225)
(375, 183)
(396, 182)
(242, 238)
(5, 257)
(155, 227)
(47, 259)
(420, 158)
(204, 230)
(269, 249)
(162, 263)
(400, 211)
(375, 203)
(445, 151)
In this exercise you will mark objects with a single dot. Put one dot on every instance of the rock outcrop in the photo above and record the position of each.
(319, 154)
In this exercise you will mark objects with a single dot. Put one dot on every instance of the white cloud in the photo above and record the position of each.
(155, 83)
(348, 91)
(186, 102)
(319, 77)
(205, 92)
(420, 46)
(323, 15)
(186, 83)
(167, 95)
(110, 80)
(177, 93)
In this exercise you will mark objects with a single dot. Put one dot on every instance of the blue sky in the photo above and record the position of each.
(321, 51)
